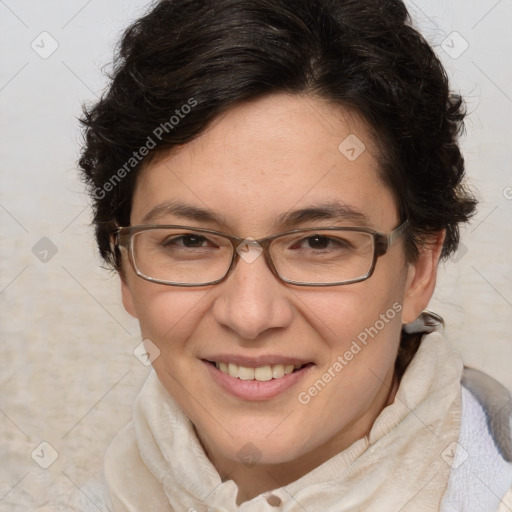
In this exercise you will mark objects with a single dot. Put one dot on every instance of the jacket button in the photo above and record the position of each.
(274, 501)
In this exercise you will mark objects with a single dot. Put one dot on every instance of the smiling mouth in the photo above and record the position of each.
(261, 373)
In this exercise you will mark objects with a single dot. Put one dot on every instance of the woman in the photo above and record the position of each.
(275, 183)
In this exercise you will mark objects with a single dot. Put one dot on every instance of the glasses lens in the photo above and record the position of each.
(181, 256)
(323, 256)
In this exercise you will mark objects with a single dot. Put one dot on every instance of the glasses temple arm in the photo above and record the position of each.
(397, 233)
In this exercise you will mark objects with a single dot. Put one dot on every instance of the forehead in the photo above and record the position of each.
(266, 158)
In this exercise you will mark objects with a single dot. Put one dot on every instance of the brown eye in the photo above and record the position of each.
(192, 241)
(322, 242)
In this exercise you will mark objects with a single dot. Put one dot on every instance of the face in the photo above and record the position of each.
(261, 160)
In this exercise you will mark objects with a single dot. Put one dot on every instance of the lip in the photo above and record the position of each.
(253, 390)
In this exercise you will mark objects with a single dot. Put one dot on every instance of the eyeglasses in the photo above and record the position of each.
(188, 256)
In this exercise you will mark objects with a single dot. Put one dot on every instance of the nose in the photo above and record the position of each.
(252, 300)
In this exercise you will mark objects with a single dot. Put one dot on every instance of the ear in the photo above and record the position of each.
(421, 278)
(126, 292)
(127, 296)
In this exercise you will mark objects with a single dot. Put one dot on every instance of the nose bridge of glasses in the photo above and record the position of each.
(249, 249)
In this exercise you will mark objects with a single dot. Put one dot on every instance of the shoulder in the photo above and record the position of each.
(481, 469)
(492, 403)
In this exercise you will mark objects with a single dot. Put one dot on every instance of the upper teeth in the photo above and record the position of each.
(262, 373)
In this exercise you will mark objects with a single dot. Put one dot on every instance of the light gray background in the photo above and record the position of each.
(68, 375)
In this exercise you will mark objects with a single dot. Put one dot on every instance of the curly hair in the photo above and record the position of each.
(187, 61)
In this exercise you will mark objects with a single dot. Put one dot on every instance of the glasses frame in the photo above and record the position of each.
(123, 239)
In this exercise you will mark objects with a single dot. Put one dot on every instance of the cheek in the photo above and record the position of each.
(361, 337)
(341, 314)
(360, 328)
(167, 315)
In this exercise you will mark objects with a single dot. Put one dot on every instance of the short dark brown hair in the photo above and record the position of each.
(187, 61)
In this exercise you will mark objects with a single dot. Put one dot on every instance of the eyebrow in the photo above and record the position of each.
(334, 210)
(183, 210)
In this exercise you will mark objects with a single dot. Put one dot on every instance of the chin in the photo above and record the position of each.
(257, 448)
